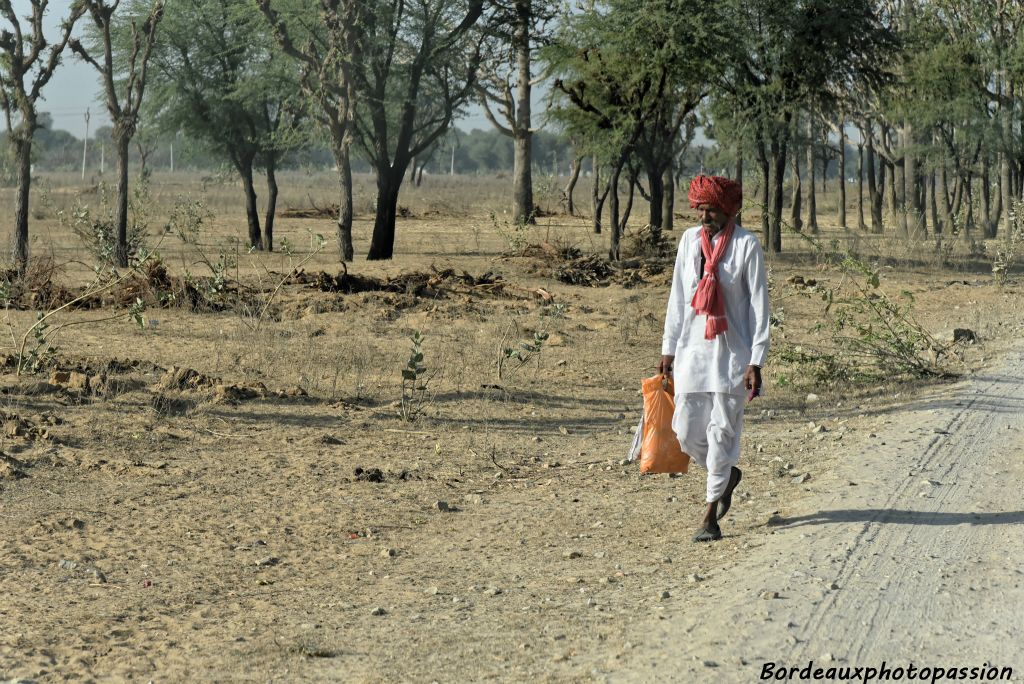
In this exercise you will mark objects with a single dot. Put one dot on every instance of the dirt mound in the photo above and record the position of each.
(433, 285)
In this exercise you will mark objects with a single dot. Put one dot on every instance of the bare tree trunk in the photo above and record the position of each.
(969, 221)
(23, 160)
(629, 203)
(762, 159)
(1004, 170)
(598, 196)
(739, 176)
(958, 194)
(570, 205)
(933, 204)
(346, 250)
(668, 184)
(861, 225)
(875, 189)
(812, 207)
(251, 212)
(613, 210)
(795, 201)
(121, 211)
(891, 196)
(841, 213)
(942, 193)
(778, 150)
(268, 219)
(382, 242)
(987, 225)
(913, 211)
(522, 180)
(656, 198)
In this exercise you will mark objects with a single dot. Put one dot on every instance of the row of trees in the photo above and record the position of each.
(930, 86)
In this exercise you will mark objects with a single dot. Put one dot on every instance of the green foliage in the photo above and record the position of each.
(97, 227)
(515, 234)
(414, 381)
(1007, 252)
(514, 358)
(870, 331)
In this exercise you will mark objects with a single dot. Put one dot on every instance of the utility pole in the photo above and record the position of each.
(172, 156)
(85, 143)
(103, 157)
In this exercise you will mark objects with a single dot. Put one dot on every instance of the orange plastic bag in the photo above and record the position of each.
(660, 451)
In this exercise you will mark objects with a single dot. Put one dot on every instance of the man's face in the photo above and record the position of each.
(712, 217)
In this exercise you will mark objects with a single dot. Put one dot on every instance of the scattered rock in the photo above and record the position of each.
(709, 663)
(369, 474)
(964, 336)
(833, 586)
(442, 506)
(666, 595)
(65, 564)
(800, 479)
(378, 611)
(694, 578)
(769, 595)
(812, 399)
(570, 555)
(388, 552)
(494, 591)
(827, 657)
(474, 499)
(267, 561)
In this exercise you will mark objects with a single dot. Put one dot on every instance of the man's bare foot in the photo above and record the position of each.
(725, 503)
(709, 530)
(708, 533)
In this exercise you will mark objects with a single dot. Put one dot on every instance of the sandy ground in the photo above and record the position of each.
(233, 526)
(910, 553)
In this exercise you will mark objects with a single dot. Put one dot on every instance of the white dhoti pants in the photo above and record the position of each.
(708, 425)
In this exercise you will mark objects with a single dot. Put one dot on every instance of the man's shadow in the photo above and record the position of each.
(894, 516)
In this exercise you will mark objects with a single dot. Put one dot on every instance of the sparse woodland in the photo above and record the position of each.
(313, 405)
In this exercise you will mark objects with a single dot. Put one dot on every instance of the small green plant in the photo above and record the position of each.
(514, 234)
(1006, 253)
(97, 227)
(870, 330)
(188, 216)
(513, 359)
(414, 380)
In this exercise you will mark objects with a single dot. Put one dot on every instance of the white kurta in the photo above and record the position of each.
(708, 374)
(718, 365)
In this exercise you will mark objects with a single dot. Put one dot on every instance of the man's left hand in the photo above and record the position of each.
(752, 380)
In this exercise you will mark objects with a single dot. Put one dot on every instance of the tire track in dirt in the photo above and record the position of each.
(912, 551)
(886, 548)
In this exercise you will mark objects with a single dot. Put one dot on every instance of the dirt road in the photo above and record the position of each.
(912, 553)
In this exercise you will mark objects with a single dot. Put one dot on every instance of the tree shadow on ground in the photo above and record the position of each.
(900, 517)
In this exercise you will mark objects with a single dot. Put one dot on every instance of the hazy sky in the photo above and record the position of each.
(75, 85)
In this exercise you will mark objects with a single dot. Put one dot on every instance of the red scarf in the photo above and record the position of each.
(708, 300)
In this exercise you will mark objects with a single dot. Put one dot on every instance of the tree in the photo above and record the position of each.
(418, 69)
(27, 62)
(629, 73)
(219, 77)
(507, 81)
(798, 56)
(327, 52)
(127, 71)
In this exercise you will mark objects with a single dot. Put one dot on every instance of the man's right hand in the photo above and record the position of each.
(665, 365)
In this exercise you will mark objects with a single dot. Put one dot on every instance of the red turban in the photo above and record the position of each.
(724, 193)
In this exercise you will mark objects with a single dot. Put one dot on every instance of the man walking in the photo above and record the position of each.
(716, 339)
